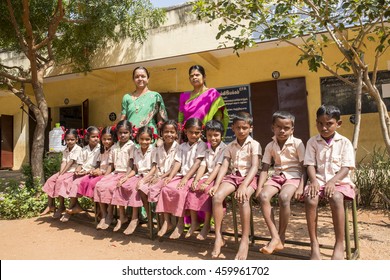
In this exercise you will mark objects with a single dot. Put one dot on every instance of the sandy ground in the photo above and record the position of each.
(45, 238)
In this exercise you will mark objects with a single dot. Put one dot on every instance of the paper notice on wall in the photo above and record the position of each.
(386, 90)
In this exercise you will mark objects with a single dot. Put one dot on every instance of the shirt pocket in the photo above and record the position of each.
(336, 163)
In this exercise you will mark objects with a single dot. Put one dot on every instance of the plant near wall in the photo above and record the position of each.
(45, 33)
(312, 26)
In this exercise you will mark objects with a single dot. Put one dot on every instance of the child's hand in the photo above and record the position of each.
(203, 186)
(167, 180)
(241, 194)
(139, 183)
(313, 189)
(329, 189)
(121, 181)
(298, 193)
(212, 191)
(182, 183)
(194, 185)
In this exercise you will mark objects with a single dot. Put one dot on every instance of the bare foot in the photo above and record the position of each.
(177, 232)
(273, 246)
(100, 224)
(47, 210)
(315, 252)
(218, 244)
(58, 213)
(242, 253)
(192, 230)
(106, 222)
(119, 224)
(338, 252)
(166, 227)
(131, 228)
(203, 233)
(75, 210)
(65, 217)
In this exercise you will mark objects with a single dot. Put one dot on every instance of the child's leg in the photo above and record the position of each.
(133, 223)
(177, 232)
(311, 205)
(206, 227)
(61, 208)
(166, 226)
(122, 218)
(109, 217)
(223, 191)
(74, 206)
(265, 197)
(284, 199)
(194, 223)
(50, 206)
(245, 215)
(338, 216)
(103, 212)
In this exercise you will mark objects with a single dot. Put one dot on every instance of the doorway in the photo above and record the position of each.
(6, 142)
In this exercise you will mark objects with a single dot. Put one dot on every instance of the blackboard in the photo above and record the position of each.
(336, 92)
(237, 98)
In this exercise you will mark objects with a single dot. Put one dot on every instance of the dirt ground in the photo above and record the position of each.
(45, 238)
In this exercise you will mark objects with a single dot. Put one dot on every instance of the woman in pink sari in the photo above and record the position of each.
(202, 102)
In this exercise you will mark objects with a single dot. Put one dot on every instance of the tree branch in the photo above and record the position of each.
(19, 35)
(14, 78)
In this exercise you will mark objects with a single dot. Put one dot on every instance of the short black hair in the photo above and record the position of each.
(329, 110)
(214, 125)
(243, 116)
(283, 115)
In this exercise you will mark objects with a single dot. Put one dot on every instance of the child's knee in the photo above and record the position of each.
(218, 198)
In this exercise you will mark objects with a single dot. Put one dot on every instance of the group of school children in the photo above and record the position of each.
(196, 176)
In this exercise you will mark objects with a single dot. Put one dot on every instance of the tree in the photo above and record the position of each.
(49, 32)
(318, 24)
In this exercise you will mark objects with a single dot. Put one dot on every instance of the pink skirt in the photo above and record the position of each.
(347, 190)
(87, 185)
(70, 187)
(152, 190)
(127, 194)
(172, 200)
(199, 200)
(54, 184)
(104, 189)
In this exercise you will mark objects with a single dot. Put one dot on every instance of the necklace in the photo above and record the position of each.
(135, 98)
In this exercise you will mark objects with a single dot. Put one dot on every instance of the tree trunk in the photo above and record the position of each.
(358, 112)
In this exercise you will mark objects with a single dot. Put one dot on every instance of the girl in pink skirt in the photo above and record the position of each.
(198, 198)
(68, 167)
(86, 163)
(187, 161)
(119, 167)
(144, 166)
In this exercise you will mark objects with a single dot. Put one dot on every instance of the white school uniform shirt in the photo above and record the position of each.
(213, 158)
(120, 156)
(74, 154)
(144, 161)
(241, 156)
(287, 160)
(329, 158)
(165, 159)
(103, 159)
(187, 155)
(89, 158)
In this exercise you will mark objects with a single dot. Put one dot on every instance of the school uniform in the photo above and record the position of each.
(164, 161)
(287, 161)
(328, 158)
(240, 158)
(200, 200)
(172, 200)
(88, 158)
(127, 194)
(120, 158)
(55, 183)
(88, 183)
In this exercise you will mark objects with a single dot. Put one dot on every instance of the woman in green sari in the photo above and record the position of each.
(143, 106)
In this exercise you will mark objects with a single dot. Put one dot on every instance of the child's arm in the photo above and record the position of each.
(189, 174)
(67, 166)
(130, 173)
(174, 170)
(199, 174)
(211, 178)
(314, 187)
(262, 178)
(330, 185)
(110, 168)
(241, 194)
(150, 174)
(299, 192)
(222, 172)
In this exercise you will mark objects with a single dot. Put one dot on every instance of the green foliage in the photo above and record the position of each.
(19, 201)
(52, 164)
(372, 179)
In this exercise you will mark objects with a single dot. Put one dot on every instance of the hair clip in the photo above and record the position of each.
(63, 134)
